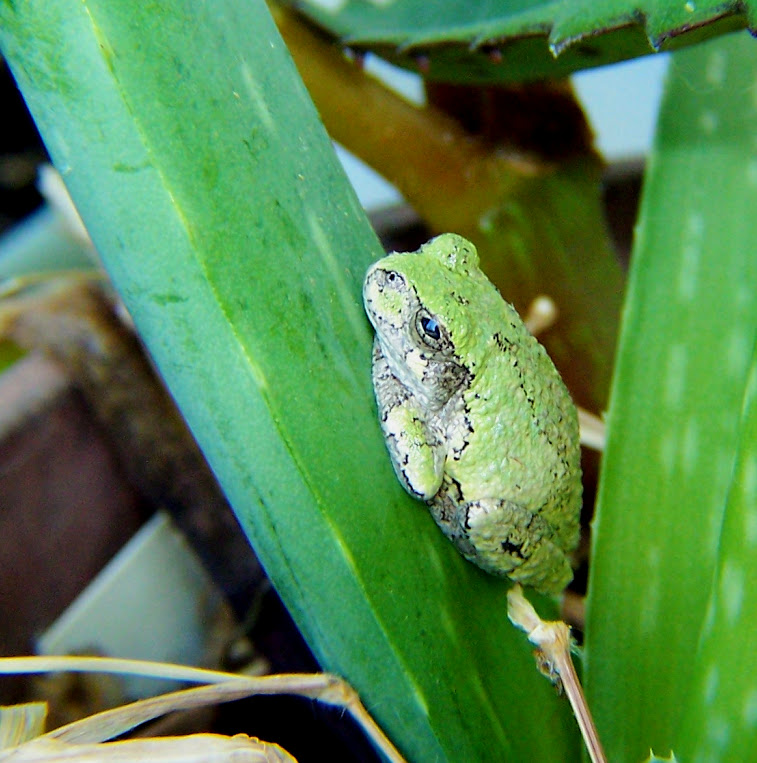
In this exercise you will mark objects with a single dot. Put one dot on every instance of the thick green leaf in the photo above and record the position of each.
(212, 193)
(508, 40)
(721, 711)
(688, 332)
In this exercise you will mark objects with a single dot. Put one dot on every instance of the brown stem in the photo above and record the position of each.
(411, 146)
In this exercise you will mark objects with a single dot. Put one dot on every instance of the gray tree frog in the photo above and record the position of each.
(477, 420)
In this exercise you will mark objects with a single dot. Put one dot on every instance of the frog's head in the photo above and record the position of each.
(419, 304)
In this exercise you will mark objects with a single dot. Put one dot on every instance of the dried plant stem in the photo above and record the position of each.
(552, 640)
(416, 148)
(221, 687)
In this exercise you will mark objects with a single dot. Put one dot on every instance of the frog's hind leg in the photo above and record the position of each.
(504, 538)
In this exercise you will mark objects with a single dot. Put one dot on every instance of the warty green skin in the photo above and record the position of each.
(477, 420)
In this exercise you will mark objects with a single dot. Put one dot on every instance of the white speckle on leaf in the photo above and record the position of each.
(649, 610)
(675, 375)
(448, 625)
(331, 6)
(691, 251)
(744, 293)
(690, 445)
(739, 348)
(715, 69)
(695, 225)
(257, 99)
(689, 272)
(751, 171)
(749, 481)
(711, 683)
(337, 272)
(689, 7)
(321, 240)
(749, 711)
(718, 731)
(731, 590)
(708, 121)
(432, 554)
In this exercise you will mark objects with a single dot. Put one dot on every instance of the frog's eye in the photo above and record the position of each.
(429, 329)
(393, 278)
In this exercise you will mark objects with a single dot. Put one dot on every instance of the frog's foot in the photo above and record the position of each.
(503, 538)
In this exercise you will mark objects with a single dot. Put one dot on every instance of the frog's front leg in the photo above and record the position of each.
(504, 538)
(417, 453)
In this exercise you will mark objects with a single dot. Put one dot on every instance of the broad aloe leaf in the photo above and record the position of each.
(509, 40)
(213, 195)
(721, 714)
(689, 328)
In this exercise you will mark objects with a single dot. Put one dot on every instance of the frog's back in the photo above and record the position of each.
(527, 451)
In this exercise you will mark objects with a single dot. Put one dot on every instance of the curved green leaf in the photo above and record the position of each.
(720, 721)
(512, 40)
(689, 328)
(213, 195)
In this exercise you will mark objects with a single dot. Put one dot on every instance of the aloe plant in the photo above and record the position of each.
(520, 41)
(677, 429)
(210, 188)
